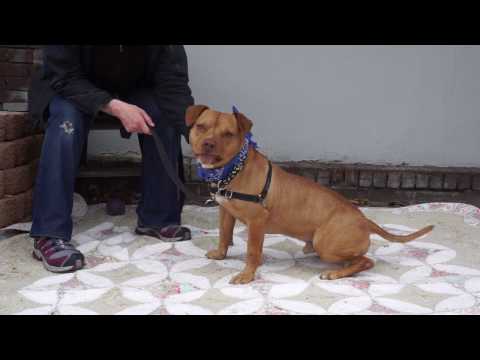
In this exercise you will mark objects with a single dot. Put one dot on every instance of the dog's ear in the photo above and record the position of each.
(193, 113)
(244, 123)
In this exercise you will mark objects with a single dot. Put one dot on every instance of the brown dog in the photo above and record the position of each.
(294, 206)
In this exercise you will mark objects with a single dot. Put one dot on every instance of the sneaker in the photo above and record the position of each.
(171, 233)
(57, 255)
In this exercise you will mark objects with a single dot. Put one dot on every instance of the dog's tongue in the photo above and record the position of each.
(208, 159)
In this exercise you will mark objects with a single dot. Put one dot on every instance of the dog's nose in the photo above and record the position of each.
(208, 145)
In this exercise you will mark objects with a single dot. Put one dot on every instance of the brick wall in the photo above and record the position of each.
(19, 153)
(364, 176)
(380, 185)
(19, 146)
(17, 64)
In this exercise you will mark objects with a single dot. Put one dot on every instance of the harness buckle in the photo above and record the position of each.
(228, 194)
(262, 201)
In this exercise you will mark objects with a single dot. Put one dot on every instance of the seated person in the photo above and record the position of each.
(146, 89)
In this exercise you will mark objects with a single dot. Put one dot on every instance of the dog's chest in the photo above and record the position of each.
(242, 211)
(230, 206)
(220, 199)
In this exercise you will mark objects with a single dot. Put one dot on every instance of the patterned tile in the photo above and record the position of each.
(129, 274)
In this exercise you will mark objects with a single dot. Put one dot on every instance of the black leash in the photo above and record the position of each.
(169, 168)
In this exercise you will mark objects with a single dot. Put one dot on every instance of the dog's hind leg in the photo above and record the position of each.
(355, 266)
(346, 247)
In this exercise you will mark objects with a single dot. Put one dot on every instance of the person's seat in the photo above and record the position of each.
(102, 122)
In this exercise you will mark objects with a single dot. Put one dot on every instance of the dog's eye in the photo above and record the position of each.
(200, 127)
(228, 135)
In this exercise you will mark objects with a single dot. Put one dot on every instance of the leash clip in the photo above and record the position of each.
(209, 202)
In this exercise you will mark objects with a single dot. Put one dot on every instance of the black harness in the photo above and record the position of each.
(219, 189)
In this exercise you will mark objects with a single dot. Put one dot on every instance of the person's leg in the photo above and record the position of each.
(162, 202)
(65, 136)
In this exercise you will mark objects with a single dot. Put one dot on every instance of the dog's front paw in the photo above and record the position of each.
(330, 275)
(242, 278)
(216, 255)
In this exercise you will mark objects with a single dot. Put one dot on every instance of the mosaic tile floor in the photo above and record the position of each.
(130, 274)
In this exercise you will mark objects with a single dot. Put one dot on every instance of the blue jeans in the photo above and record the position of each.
(67, 130)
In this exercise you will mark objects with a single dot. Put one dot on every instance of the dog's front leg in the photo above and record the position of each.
(256, 235)
(227, 223)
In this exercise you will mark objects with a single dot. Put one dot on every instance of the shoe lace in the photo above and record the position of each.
(62, 244)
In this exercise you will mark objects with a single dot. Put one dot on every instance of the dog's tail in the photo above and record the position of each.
(375, 229)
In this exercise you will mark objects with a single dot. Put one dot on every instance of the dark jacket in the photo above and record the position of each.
(67, 71)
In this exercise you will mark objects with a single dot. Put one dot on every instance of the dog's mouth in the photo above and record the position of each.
(208, 161)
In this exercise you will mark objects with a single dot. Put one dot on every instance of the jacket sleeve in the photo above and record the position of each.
(63, 69)
(170, 82)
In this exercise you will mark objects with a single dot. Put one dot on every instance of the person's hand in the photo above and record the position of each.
(133, 118)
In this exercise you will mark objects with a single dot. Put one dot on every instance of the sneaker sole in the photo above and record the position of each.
(37, 255)
(165, 239)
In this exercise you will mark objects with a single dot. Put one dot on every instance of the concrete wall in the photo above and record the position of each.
(373, 104)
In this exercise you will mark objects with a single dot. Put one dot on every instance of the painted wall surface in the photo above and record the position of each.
(418, 105)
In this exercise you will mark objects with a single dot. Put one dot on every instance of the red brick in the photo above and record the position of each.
(338, 177)
(380, 180)
(7, 155)
(308, 173)
(450, 182)
(394, 180)
(20, 206)
(19, 179)
(15, 107)
(323, 177)
(422, 181)
(476, 182)
(12, 210)
(13, 96)
(24, 150)
(2, 185)
(16, 55)
(22, 70)
(366, 178)
(3, 127)
(15, 83)
(15, 124)
(351, 178)
(408, 181)
(436, 181)
(7, 211)
(464, 182)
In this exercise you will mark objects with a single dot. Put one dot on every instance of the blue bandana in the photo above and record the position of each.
(220, 174)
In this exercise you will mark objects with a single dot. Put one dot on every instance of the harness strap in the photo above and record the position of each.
(260, 198)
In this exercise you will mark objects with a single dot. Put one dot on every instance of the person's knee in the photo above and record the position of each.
(65, 117)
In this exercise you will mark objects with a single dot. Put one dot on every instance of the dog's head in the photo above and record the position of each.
(216, 137)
